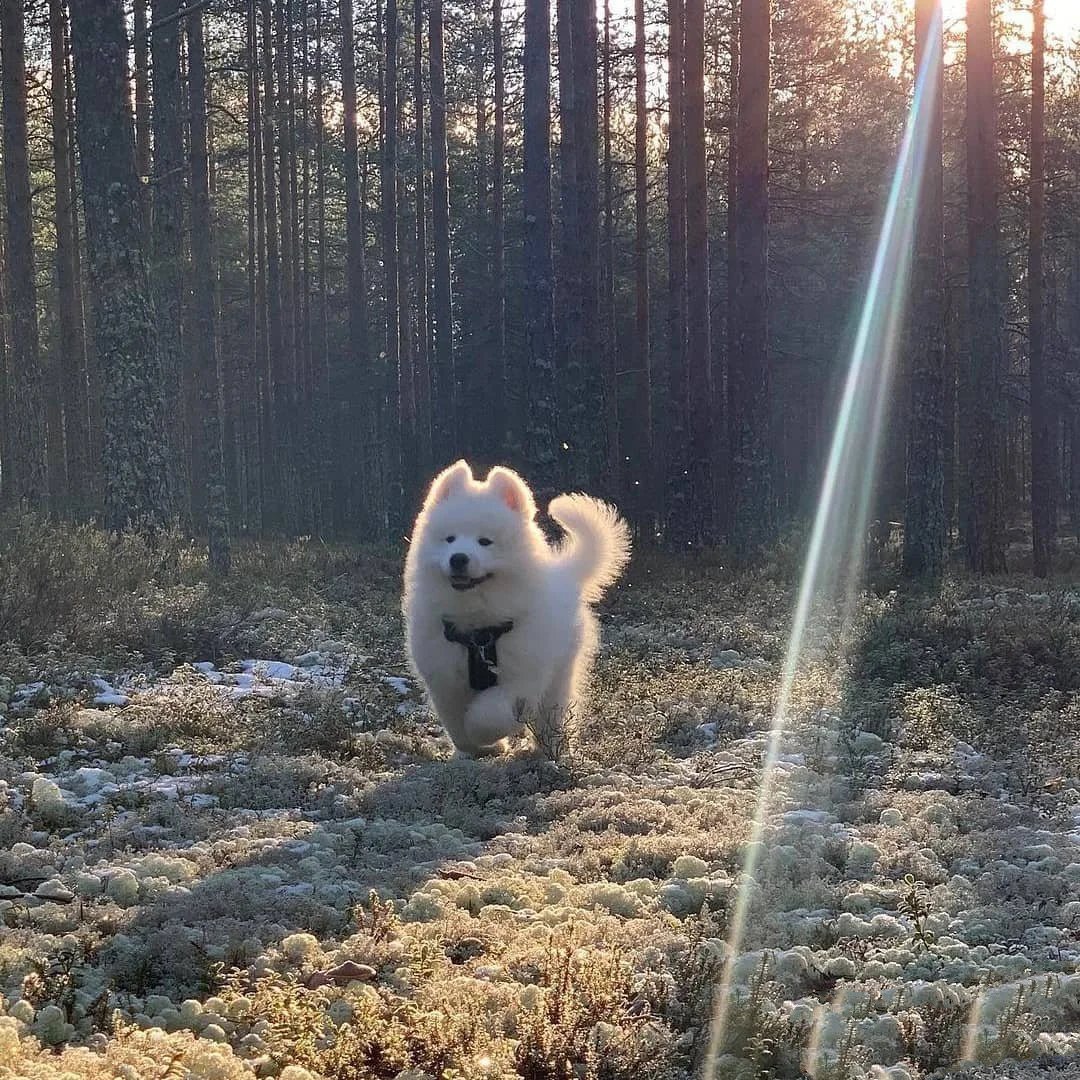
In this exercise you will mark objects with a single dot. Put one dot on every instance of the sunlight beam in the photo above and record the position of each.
(834, 557)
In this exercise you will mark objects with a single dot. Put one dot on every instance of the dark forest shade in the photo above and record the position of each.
(137, 491)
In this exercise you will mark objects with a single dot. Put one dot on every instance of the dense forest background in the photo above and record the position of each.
(268, 263)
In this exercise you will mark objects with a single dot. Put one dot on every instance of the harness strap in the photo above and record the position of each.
(480, 645)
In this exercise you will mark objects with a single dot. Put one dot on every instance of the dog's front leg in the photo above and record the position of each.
(493, 715)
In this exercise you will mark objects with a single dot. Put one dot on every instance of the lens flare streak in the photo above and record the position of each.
(834, 557)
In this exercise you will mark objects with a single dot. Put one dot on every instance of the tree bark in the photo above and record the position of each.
(537, 419)
(925, 519)
(137, 491)
(496, 370)
(981, 407)
(444, 380)
(392, 461)
(210, 501)
(613, 459)
(71, 340)
(141, 42)
(1043, 465)
(27, 448)
(750, 398)
(167, 255)
(421, 353)
(677, 509)
(637, 451)
(698, 305)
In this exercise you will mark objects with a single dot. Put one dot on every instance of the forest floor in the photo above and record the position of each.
(233, 841)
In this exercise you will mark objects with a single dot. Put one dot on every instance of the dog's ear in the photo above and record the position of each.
(453, 479)
(512, 490)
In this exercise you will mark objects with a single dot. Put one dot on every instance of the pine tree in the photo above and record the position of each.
(925, 521)
(28, 480)
(137, 492)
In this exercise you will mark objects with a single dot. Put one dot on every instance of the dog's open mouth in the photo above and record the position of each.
(462, 582)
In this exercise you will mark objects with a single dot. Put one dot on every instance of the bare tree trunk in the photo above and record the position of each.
(613, 461)
(167, 238)
(391, 270)
(421, 354)
(142, 105)
(698, 337)
(444, 380)
(210, 501)
(925, 519)
(362, 410)
(496, 371)
(27, 448)
(637, 451)
(255, 464)
(588, 464)
(71, 341)
(720, 387)
(1043, 465)
(136, 451)
(537, 420)
(677, 508)
(750, 399)
(981, 405)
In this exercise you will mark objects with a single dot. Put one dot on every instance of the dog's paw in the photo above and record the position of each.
(491, 718)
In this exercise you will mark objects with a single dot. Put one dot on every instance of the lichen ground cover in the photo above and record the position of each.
(262, 859)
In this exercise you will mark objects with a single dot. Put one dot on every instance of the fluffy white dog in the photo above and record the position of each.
(497, 621)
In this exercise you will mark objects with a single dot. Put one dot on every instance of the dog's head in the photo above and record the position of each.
(471, 532)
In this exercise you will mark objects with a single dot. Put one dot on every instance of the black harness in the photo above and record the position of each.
(480, 645)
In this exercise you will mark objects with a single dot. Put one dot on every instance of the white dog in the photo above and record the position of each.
(497, 621)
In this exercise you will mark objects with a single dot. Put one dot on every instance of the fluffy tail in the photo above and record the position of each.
(597, 546)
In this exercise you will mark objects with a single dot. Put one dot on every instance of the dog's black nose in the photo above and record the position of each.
(458, 561)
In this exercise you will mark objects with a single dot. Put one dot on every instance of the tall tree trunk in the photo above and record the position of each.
(320, 322)
(613, 460)
(698, 335)
(925, 519)
(637, 448)
(720, 387)
(537, 415)
(568, 267)
(496, 369)
(210, 501)
(587, 466)
(286, 399)
(391, 270)
(362, 410)
(444, 381)
(135, 452)
(252, 517)
(71, 342)
(677, 509)
(421, 354)
(981, 406)
(750, 401)
(277, 358)
(27, 449)
(167, 255)
(1043, 452)
(142, 105)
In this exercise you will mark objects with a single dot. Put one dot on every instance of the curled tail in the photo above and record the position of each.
(597, 545)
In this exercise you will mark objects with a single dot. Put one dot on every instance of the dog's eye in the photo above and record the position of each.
(484, 542)
(451, 539)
